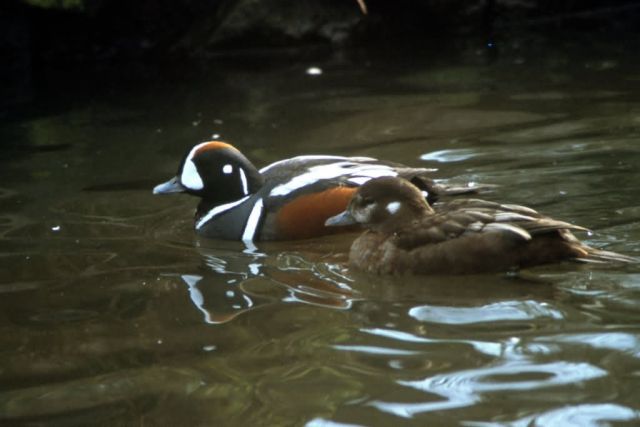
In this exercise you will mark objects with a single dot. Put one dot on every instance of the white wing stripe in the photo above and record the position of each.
(354, 171)
(317, 157)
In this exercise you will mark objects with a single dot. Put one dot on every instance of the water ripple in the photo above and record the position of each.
(500, 311)
(465, 388)
(375, 350)
(587, 415)
(484, 347)
(320, 422)
(619, 341)
(448, 156)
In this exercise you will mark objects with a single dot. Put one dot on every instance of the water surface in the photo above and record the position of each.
(112, 312)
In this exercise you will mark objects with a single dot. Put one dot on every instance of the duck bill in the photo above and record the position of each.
(344, 218)
(171, 186)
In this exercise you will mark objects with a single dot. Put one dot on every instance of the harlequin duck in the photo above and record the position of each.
(407, 236)
(289, 199)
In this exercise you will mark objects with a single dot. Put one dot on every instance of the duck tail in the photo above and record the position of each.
(598, 256)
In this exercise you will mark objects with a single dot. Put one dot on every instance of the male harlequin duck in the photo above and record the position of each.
(289, 199)
(407, 236)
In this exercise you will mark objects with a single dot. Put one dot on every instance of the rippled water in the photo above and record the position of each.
(113, 313)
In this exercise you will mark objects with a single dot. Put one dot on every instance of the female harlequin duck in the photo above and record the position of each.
(289, 199)
(406, 236)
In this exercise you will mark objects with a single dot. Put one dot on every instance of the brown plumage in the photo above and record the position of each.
(406, 235)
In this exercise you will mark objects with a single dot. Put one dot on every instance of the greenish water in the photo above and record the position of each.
(112, 312)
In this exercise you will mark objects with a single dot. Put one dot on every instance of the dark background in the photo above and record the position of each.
(39, 38)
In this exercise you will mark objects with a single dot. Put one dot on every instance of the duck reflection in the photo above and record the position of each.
(201, 294)
(232, 281)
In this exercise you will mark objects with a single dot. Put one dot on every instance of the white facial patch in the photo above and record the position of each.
(363, 216)
(354, 172)
(190, 177)
(227, 169)
(393, 207)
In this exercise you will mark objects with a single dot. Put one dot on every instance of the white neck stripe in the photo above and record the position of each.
(243, 178)
(218, 210)
(252, 223)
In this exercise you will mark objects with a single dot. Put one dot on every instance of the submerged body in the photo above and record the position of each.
(404, 235)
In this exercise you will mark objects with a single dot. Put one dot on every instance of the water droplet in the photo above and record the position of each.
(55, 228)
(314, 71)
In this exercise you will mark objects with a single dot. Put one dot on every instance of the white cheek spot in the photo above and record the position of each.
(393, 207)
(190, 177)
(227, 169)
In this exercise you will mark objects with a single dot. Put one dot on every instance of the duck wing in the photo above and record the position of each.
(320, 172)
(465, 217)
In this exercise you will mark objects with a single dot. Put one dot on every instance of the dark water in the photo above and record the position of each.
(113, 313)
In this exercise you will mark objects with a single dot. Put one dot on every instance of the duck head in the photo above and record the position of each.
(216, 172)
(383, 204)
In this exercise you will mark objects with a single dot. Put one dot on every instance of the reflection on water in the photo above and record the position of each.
(587, 415)
(113, 313)
(464, 388)
(507, 310)
(252, 279)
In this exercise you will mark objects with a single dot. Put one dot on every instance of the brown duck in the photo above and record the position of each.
(406, 236)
